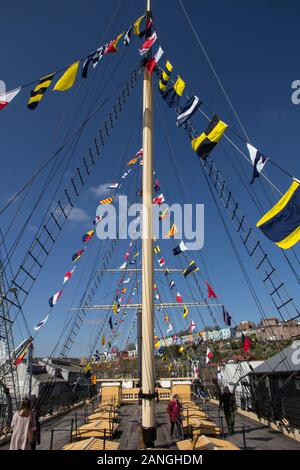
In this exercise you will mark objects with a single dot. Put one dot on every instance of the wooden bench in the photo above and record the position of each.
(194, 414)
(96, 428)
(92, 444)
(207, 443)
(202, 426)
(109, 415)
(107, 407)
(190, 406)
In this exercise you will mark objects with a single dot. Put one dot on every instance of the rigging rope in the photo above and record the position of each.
(213, 70)
(41, 247)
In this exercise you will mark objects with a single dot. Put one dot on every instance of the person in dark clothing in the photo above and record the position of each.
(36, 437)
(227, 401)
(174, 410)
(37, 433)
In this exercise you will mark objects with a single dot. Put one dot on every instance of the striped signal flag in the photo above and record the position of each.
(37, 94)
(108, 200)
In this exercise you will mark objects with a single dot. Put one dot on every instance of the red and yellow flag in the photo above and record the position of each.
(112, 46)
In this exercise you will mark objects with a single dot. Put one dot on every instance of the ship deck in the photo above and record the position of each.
(258, 436)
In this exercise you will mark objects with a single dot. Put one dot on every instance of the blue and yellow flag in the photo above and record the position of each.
(207, 140)
(282, 223)
(192, 268)
(173, 95)
(165, 75)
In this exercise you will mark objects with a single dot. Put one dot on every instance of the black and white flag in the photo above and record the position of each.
(179, 249)
(258, 161)
(127, 37)
(86, 65)
(97, 56)
(40, 324)
(188, 110)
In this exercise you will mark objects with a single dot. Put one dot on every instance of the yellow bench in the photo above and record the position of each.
(92, 444)
(109, 415)
(207, 443)
(194, 414)
(96, 428)
(202, 426)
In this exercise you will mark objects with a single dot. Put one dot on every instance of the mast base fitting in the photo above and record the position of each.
(148, 396)
(149, 436)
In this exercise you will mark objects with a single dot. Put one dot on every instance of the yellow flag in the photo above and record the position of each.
(136, 25)
(181, 349)
(115, 310)
(68, 78)
(103, 340)
(157, 344)
(132, 162)
(185, 311)
(172, 232)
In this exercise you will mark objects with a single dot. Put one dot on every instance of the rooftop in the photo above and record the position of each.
(287, 360)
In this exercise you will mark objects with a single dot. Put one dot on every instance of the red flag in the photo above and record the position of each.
(146, 46)
(139, 154)
(112, 46)
(6, 98)
(159, 199)
(152, 62)
(246, 343)
(178, 298)
(68, 275)
(209, 355)
(210, 291)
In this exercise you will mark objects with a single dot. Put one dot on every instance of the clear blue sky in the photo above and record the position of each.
(253, 47)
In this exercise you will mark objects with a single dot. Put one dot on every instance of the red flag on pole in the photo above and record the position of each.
(210, 291)
(246, 343)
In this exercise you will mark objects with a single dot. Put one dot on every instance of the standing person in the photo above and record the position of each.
(227, 401)
(36, 435)
(174, 410)
(23, 426)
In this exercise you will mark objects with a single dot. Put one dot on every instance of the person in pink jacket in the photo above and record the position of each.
(174, 410)
(23, 427)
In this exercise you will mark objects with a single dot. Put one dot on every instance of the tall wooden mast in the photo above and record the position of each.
(148, 378)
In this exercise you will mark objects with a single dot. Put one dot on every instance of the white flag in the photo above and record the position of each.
(40, 324)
